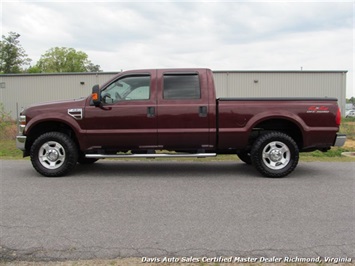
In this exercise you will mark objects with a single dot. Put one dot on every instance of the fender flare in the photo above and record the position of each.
(281, 115)
(55, 118)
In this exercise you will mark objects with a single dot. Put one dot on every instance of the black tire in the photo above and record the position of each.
(54, 154)
(275, 154)
(244, 156)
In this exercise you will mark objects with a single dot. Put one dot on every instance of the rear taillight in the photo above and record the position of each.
(338, 117)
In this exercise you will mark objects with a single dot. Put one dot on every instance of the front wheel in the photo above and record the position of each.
(275, 154)
(54, 154)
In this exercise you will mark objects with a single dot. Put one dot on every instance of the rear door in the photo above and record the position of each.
(183, 111)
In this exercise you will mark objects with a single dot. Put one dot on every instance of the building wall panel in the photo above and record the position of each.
(282, 84)
(18, 91)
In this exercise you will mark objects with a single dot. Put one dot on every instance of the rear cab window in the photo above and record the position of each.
(181, 86)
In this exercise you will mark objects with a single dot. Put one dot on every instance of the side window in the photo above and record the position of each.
(181, 86)
(130, 88)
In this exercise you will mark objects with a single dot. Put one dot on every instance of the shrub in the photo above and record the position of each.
(8, 128)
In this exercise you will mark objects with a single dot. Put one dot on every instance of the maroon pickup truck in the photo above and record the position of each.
(156, 113)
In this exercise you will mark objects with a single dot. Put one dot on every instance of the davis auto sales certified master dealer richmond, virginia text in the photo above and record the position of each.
(232, 259)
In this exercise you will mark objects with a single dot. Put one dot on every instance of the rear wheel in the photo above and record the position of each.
(54, 154)
(275, 154)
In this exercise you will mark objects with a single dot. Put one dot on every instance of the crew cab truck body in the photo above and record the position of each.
(140, 112)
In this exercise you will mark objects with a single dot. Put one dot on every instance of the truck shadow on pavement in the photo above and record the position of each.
(175, 169)
(163, 169)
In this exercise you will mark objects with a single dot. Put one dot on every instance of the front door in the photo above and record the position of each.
(127, 119)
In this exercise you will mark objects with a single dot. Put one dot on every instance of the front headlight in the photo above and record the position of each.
(21, 124)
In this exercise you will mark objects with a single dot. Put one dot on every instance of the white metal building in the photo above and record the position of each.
(22, 90)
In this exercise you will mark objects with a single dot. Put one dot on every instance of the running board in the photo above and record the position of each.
(156, 155)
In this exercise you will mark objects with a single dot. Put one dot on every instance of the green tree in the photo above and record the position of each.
(62, 59)
(12, 55)
(93, 68)
(34, 69)
(351, 100)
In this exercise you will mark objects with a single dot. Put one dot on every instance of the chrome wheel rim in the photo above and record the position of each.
(51, 155)
(276, 155)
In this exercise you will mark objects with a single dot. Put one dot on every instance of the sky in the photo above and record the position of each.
(220, 35)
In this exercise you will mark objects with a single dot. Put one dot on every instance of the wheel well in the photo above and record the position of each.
(281, 125)
(49, 126)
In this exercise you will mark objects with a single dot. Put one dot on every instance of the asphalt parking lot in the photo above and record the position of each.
(176, 208)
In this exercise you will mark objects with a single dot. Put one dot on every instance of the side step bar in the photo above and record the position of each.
(156, 155)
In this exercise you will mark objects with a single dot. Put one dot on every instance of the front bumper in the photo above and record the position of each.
(339, 140)
(21, 142)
